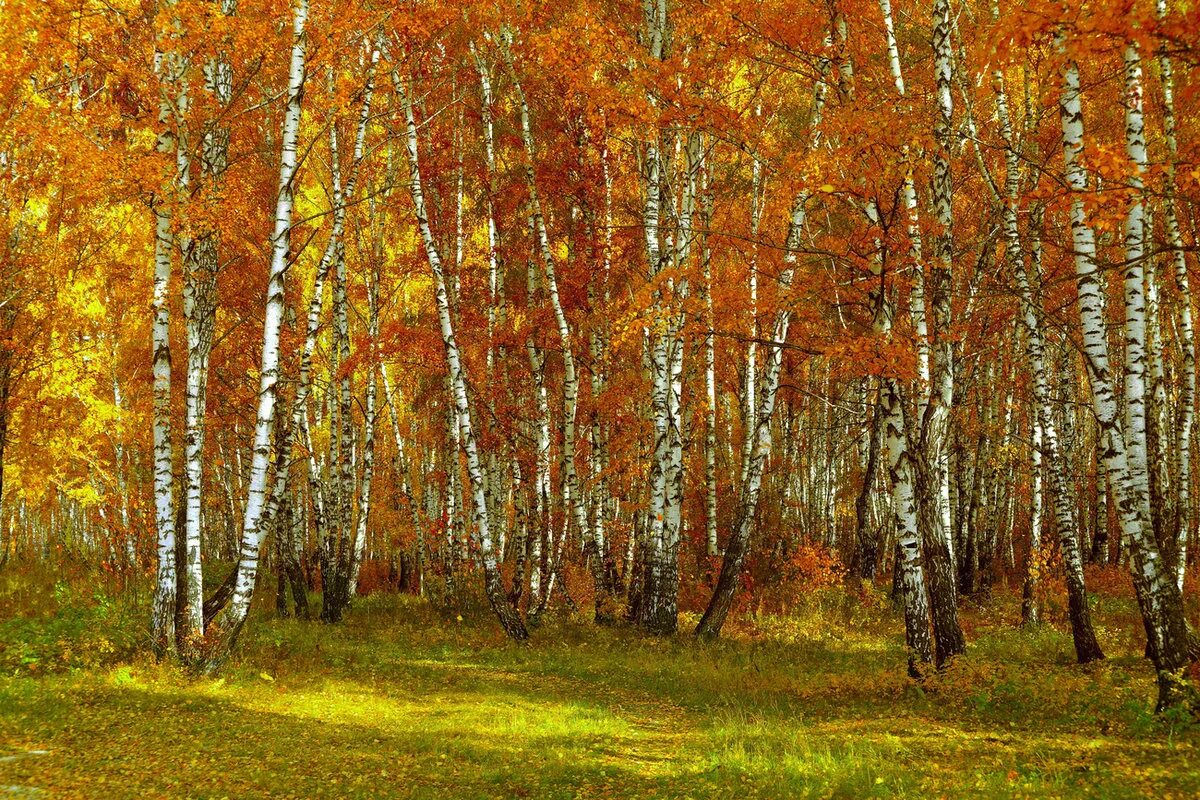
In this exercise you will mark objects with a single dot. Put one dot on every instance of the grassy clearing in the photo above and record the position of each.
(403, 701)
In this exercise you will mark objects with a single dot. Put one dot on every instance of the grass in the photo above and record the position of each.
(404, 701)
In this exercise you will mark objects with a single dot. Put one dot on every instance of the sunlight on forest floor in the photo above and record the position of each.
(403, 701)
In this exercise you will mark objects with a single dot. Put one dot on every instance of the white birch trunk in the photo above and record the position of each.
(710, 367)
(342, 198)
(935, 422)
(1134, 275)
(164, 512)
(573, 500)
(739, 541)
(1046, 439)
(163, 615)
(201, 265)
(751, 383)
(122, 471)
(229, 622)
(1187, 340)
(403, 471)
(736, 549)
(1158, 594)
(364, 499)
(510, 619)
(909, 193)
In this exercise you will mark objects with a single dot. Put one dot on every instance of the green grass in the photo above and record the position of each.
(403, 701)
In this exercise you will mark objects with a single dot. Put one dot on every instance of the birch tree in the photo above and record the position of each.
(573, 499)
(167, 67)
(201, 265)
(739, 540)
(510, 618)
(1187, 337)
(933, 477)
(228, 623)
(1157, 591)
(1046, 442)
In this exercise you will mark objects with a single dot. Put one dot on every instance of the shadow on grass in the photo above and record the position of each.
(136, 742)
(400, 703)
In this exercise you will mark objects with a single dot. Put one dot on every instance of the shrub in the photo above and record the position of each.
(71, 631)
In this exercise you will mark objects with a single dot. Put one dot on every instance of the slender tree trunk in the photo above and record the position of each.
(368, 471)
(1046, 440)
(201, 264)
(163, 635)
(910, 572)
(163, 617)
(866, 542)
(750, 403)
(932, 476)
(599, 350)
(1158, 594)
(227, 624)
(739, 540)
(1030, 610)
(1187, 340)
(1134, 283)
(573, 500)
(539, 545)
(510, 618)
(901, 465)
(710, 369)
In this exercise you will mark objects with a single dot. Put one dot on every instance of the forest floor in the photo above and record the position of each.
(403, 700)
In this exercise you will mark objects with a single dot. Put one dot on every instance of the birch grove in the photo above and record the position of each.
(662, 314)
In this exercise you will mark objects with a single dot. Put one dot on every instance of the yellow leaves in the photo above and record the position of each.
(85, 495)
(415, 292)
(827, 188)
(560, 251)
(94, 310)
(142, 139)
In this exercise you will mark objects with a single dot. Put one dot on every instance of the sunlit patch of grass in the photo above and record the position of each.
(403, 700)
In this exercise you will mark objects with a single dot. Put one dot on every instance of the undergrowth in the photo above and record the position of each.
(408, 700)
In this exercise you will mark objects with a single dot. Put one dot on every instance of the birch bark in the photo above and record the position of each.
(1158, 594)
(1046, 438)
(369, 418)
(163, 614)
(737, 547)
(201, 264)
(1134, 278)
(1187, 339)
(710, 365)
(509, 617)
(227, 624)
(573, 500)
(738, 544)
(932, 475)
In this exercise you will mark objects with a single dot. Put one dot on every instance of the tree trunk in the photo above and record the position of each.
(1158, 594)
(739, 540)
(163, 615)
(510, 618)
(1046, 441)
(573, 500)
(932, 477)
(1187, 341)
(226, 626)
(866, 541)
